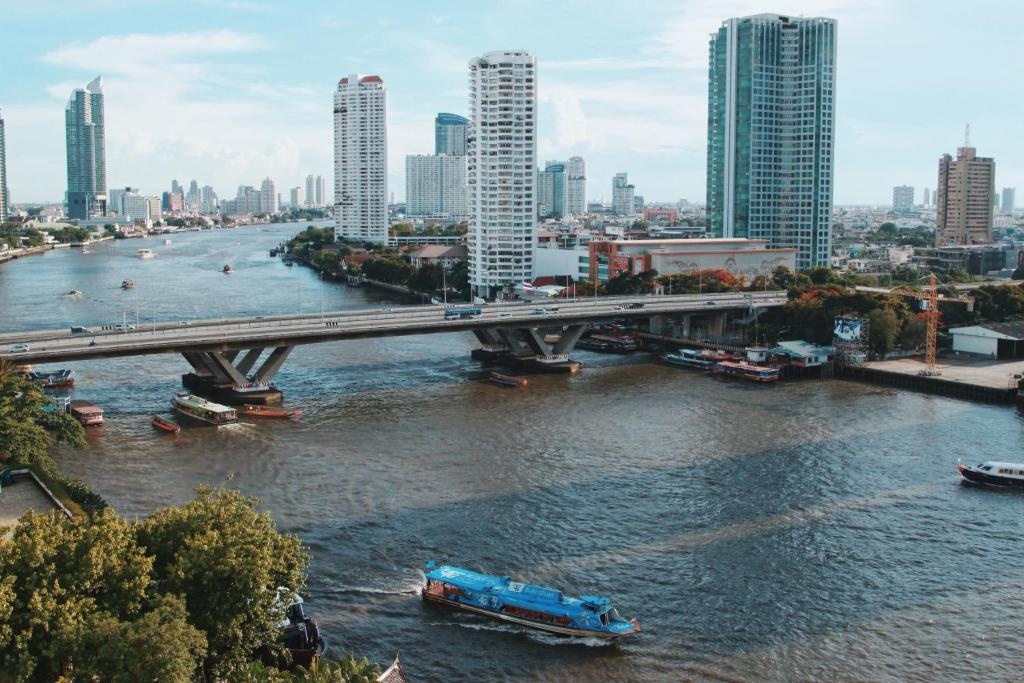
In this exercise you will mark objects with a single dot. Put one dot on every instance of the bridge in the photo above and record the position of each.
(511, 331)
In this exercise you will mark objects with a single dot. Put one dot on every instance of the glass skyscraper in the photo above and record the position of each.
(771, 98)
(450, 134)
(4, 197)
(86, 147)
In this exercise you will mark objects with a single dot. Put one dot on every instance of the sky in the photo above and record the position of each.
(231, 91)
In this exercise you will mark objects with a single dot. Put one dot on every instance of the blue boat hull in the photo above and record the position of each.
(550, 628)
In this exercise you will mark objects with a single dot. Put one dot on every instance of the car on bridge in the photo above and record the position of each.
(462, 312)
(122, 327)
(18, 348)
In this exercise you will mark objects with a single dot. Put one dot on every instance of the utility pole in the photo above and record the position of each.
(321, 296)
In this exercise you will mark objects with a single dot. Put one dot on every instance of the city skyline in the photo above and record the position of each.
(201, 103)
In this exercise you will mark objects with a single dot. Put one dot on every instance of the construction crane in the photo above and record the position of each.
(929, 303)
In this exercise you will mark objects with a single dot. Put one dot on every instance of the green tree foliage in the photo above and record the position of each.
(1018, 274)
(24, 443)
(227, 561)
(885, 326)
(67, 576)
(914, 333)
(629, 283)
(310, 241)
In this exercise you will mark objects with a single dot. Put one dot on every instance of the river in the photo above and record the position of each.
(813, 530)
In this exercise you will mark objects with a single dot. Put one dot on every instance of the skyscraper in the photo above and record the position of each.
(5, 207)
(208, 199)
(295, 198)
(551, 190)
(575, 186)
(310, 191)
(771, 91)
(193, 198)
(321, 200)
(435, 186)
(963, 198)
(86, 152)
(902, 198)
(268, 196)
(926, 198)
(360, 159)
(1008, 192)
(622, 195)
(501, 145)
(450, 134)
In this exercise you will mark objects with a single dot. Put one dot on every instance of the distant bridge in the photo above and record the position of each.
(213, 347)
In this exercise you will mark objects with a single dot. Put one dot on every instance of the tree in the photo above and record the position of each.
(1018, 274)
(821, 275)
(227, 561)
(914, 333)
(884, 328)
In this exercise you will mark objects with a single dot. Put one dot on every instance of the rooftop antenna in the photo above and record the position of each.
(967, 135)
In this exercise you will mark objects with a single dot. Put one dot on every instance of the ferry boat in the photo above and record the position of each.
(591, 344)
(145, 253)
(227, 269)
(166, 425)
(546, 609)
(688, 358)
(85, 412)
(58, 379)
(264, 411)
(167, 242)
(616, 343)
(200, 409)
(127, 284)
(507, 380)
(993, 473)
(747, 371)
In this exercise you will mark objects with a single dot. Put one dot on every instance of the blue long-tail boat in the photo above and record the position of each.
(522, 603)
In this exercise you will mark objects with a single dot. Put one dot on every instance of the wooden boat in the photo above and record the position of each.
(747, 371)
(993, 473)
(687, 358)
(166, 425)
(58, 379)
(521, 603)
(86, 413)
(507, 380)
(265, 411)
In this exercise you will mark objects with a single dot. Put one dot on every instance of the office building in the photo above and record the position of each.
(450, 134)
(177, 187)
(552, 190)
(622, 196)
(5, 198)
(172, 201)
(136, 207)
(926, 199)
(435, 187)
(86, 152)
(268, 197)
(575, 186)
(295, 198)
(1009, 199)
(902, 198)
(114, 204)
(771, 92)
(207, 199)
(360, 159)
(321, 192)
(963, 198)
(501, 146)
(310, 191)
(155, 213)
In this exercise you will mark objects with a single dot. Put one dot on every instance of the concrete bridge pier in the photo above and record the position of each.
(524, 348)
(218, 377)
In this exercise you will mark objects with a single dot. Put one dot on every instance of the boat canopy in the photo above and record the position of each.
(525, 595)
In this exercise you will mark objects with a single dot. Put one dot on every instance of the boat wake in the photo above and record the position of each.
(536, 636)
(409, 589)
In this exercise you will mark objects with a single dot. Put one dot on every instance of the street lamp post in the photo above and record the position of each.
(321, 296)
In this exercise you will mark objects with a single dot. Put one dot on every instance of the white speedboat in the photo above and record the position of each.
(145, 253)
(993, 473)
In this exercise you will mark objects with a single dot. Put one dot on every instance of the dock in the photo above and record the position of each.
(21, 491)
(976, 379)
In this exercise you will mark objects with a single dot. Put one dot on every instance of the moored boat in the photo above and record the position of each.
(688, 358)
(200, 409)
(507, 380)
(993, 473)
(58, 379)
(747, 371)
(525, 604)
(266, 411)
(86, 413)
(166, 425)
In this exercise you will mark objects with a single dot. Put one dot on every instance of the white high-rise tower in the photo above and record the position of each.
(502, 147)
(360, 159)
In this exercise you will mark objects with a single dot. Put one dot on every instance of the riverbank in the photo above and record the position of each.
(14, 254)
(968, 378)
